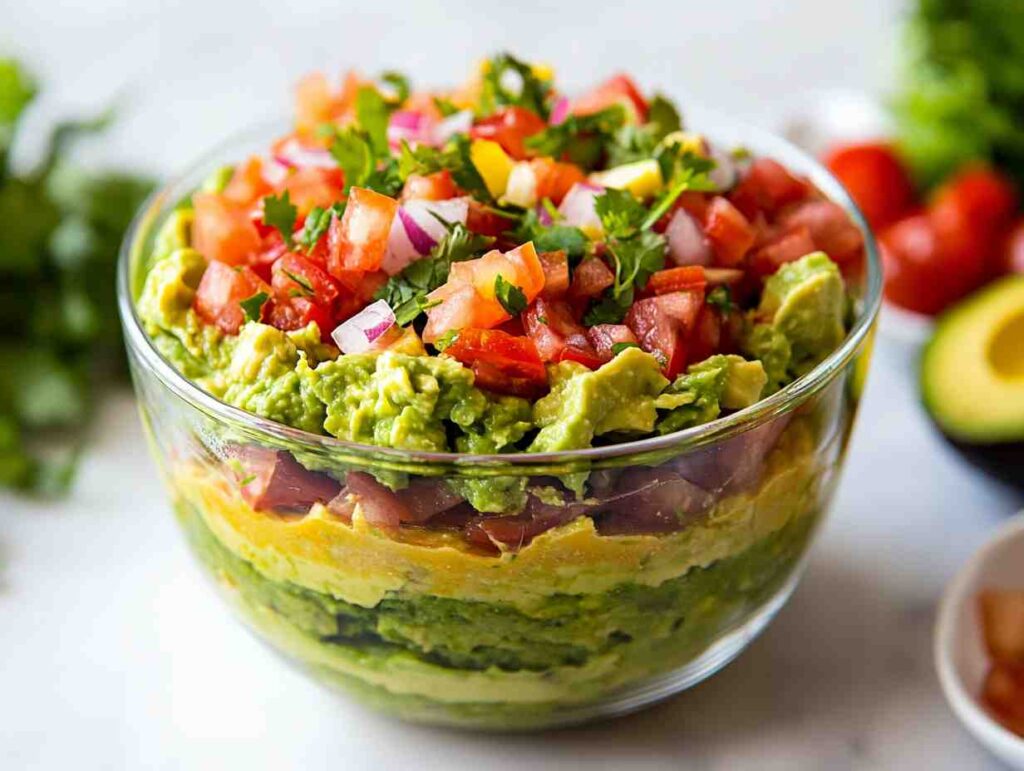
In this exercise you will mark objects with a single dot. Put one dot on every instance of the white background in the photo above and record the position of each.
(114, 654)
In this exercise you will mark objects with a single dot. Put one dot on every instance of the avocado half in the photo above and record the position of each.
(972, 377)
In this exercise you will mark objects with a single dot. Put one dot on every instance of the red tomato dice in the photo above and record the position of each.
(591, 278)
(875, 178)
(604, 337)
(297, 276)
(310, 186)
(767, 186)
(432, 187)
(556, 273)
(509, 127)
(221, 291)
(831, 229)
(555, 178)
(677, 279)
(501, 362)
(223, 230)
(483, 220)
(359, 239)
(551, 325)
(787, 247)
(247, 184)
(617, 90)
(706, 337)
(658, 333)
(288, 313)
(729, 232)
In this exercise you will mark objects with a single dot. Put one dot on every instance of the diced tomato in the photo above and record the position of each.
(579, 350)
(875, 178)
(787, 247)
(296, 276)
(247, 184)
(223, 230)
(695, 204)
(677, 279)
(509, 127)
(920, 274)
(555, 178)
(1011, 259)
(359, 239)
(316, 102)
(617, 90)
(682, 306)
(288, 313)
(706, 337)
(767, 186)
(501, 362)
(484, 221)
(556, 273)
(311, 186)
(529, 270)
(729, 232)
(432, 187)
(221, 291)
(550, 324)
(357, 291)
(658, 333)
(591, 277)
(603, 337)
(832, 231)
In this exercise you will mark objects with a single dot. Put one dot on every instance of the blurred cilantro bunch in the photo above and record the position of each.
(60, 229)
(962, 95)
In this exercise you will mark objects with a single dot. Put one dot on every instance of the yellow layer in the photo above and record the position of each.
(358, 564)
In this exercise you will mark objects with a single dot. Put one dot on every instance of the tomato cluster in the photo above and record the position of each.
(937, 251)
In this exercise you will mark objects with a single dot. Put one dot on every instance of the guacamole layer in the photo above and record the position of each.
(426, 629)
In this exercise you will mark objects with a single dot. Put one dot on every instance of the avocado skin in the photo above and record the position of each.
(1004, 461)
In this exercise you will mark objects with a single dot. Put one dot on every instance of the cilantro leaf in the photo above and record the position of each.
(507, 81)
(447, 340)
(552, 238)
(618, 348)
(620, 212)
(400, 84)
(583, 137)
(721, 298)
(354, 154)
(280, 213)
(634, 260)
(453, 158)
(252, 306)
(372, 114)
(511, 297)
(407, 292)
(316, 224)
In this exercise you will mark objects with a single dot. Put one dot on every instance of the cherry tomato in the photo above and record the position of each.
(875, 178)
(920, 274)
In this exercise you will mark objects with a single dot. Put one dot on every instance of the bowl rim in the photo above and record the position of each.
(783, 401)
(964, 703)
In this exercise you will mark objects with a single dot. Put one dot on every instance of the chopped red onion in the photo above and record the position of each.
(358, 334)
(294, 155)
(560, 111)
(577, 208)
(406, 125)
(420, 239)
(456, 123)
(687, 244)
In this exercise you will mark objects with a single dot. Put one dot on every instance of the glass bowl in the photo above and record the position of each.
(684, 548)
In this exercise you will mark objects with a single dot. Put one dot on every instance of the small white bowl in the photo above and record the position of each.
(960, 655)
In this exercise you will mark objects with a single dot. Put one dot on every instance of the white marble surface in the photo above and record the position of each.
(116, 655)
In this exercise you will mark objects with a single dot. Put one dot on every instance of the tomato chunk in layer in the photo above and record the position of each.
(501, 362)
(359, 239)
(220, 294)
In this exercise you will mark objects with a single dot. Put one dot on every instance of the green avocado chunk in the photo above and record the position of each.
(619, 396)
(805, 300)
(722, 381)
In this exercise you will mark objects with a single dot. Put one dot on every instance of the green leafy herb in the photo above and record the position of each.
(621, 214)
(663, 117)
(552, 238)
(253, 306)
(280, 213)
(447, 340)
(511, 297)
(634, 259)
(721, 298)
(507, 81)
(60, 229)
(445, 107)
(372, 113)
(307, 288)
(407, 292)
(584, 138)
(400, 84)
(453, 158)
(618, 348)
(316, 224)
(354, 154)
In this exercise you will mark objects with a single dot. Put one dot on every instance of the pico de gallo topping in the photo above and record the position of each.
(513, 228)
